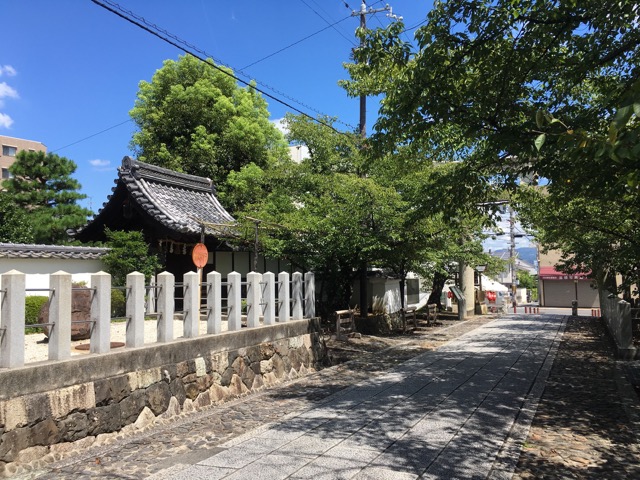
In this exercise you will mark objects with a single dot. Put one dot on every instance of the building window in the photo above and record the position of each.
(6, 174)
(8, 151)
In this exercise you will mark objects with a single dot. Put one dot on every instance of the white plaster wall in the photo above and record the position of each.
(37, 270)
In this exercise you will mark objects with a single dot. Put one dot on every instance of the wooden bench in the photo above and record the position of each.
(409, 313)
(345, 323)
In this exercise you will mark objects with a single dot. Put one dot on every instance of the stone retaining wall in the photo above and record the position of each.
(44, 406)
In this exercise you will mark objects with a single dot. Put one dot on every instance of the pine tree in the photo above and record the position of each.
(42, 185)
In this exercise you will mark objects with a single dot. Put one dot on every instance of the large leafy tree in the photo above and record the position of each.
(195, 119)
(591, 209)
(485, 78)
(470, 86)
(341, 208)
(42, 185)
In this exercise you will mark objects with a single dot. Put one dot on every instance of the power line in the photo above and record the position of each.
(328, 23)
(295, 43)
(91, 136)
(187, 48)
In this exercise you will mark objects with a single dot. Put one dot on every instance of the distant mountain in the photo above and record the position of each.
(528, 254)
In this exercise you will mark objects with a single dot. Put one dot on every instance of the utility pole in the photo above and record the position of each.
(364, 297)
(512, 250)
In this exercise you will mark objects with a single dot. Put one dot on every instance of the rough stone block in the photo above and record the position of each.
(172, 410)
(201, 367)
(247, 377)
(295, 342)
(145, 418)
(203, 400)
(239, 366)
(254, 354)
(219, 362)
(111, 390)
(144, 378)
(279, 368)
(13, 413)
(258, 383)
(182, 369)
(13, 442)
(74, 427)
(191, 390)
(66, 400)
(306, 341)
(158, 396)
(45, 432)
(237, 387)
(177, 390)
(267, 350)
(217, 393)
(225, 378)
(104, 419)
(131, 406)
(38, 407)
(266, 366)
(282, 347)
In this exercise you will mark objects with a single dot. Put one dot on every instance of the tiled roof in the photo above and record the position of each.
(179, 202)
(23, 250)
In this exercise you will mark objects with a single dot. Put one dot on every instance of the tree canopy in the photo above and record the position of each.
(511, 87)
(481, 70)
(42, 185)
(195, 119)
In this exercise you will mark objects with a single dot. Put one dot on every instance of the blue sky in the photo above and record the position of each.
(70, 69)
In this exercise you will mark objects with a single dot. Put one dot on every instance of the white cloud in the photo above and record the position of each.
(281, 125)
(8, 70)
(100, 165)
(5, 120)
(6, 92)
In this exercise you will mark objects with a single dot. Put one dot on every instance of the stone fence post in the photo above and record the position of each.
(191, 304)
(283, 297)
(296, 313)
(214, 302)
(135, 294)
(12, 319)
(253, 299)
(269, 298)
(309, 295)
(234, 301)
(100, 313)
(60, 316)
(166, 294)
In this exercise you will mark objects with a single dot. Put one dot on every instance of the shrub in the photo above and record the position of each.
(118, 303)
(33, 305)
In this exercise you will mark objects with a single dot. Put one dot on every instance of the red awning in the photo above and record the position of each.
(550, 273)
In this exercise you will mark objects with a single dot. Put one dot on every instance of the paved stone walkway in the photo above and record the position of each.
(462, 411)
(588, 421)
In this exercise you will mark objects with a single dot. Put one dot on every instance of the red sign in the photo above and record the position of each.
(200, 255)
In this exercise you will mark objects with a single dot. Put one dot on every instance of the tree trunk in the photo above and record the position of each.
(439, 280)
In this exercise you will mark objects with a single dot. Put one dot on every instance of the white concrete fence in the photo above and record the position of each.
(617, 316)
(268, 300)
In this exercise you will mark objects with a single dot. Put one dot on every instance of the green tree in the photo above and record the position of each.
(128, 252)
(43, 186)
(481, 69)
(340, 209)
(15, 226)
(195, 119)
(590, 210)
